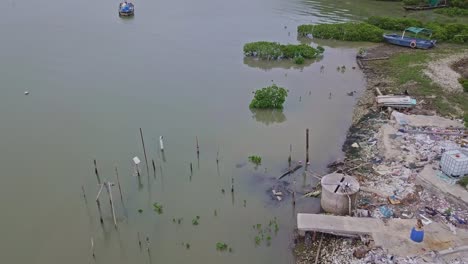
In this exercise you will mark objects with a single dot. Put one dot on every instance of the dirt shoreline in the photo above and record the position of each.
(366, 124)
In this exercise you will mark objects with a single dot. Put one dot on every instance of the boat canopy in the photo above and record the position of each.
(417, 30)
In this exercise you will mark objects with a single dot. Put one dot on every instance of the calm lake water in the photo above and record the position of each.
(176, 69)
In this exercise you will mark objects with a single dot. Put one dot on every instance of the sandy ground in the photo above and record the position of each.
(441, 72)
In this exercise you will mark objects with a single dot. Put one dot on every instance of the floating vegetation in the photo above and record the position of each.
(158, 208)
(343, 31)
(245, 203)
(264, 233)
(195, 220)
(215, 213)
(187, 245)
(220, 246)
(179, 220)
(275, 51)
(269, 97)
(140, 211)
(257, 160)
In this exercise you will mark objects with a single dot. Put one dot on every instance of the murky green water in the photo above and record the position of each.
(176, 70)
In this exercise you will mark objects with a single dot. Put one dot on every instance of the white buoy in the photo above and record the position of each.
(136, 160)
(161, 144)
(26, 92)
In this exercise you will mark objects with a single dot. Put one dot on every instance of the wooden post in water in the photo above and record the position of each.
(92, 247)
(84, 194)
(99, 204)
(289, 158)
(161, 143)
(144, 150)
(96, 172)
(118, 182)
(217, 156)
(191, 168)
(232, 185)
(154, 168)
(307, 147)
(139, 240)
(198, 147)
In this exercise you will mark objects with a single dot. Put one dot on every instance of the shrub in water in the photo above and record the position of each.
(273, 50)
(269, 97)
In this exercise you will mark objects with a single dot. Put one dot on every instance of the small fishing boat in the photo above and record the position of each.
(126, 9)
(427, 7)
(412, 42)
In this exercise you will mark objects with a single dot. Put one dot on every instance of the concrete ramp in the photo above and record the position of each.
(392, 235)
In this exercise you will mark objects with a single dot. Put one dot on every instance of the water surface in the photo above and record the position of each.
(176, 69)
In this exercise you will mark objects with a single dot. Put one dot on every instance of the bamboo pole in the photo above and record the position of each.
(232, 185)
(154, 168)
(139, 240)
(99, 204)
(144, 151)
(92, 248)
(84, 194)
(118, 182)
(318, 250)
(198, 147)
(307, 147)
(96, 172)
(111, 202)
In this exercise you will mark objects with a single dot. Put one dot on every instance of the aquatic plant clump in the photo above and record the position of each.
(220, 246)
(257, 160)
(343, 31)
(269, 97)
(274, 51)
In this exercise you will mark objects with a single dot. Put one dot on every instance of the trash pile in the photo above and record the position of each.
(386, 157)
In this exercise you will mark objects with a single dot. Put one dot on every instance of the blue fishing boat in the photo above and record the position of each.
(126, 9)
(412, 42)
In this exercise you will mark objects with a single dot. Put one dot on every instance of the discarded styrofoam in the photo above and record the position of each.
(454, 163)
(136, 160)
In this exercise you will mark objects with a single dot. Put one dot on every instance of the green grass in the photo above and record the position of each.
(463, 181)
(408, 67)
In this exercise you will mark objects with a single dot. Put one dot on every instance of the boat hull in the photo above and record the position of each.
(409, 42)
(126, 9)
(417, 8)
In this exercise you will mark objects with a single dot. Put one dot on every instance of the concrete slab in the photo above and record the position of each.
(429, 176)
(392, 235)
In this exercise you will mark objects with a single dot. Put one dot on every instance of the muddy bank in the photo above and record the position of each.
(387, 163)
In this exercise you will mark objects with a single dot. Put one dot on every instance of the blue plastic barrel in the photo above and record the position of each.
(417, 235)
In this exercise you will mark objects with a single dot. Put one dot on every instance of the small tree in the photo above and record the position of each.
(269, 97)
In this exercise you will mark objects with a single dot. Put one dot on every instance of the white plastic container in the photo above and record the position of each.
(454, 163)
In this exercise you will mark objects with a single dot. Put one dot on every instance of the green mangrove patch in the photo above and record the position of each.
(275, 51)
(269, 97)
(342, 31)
